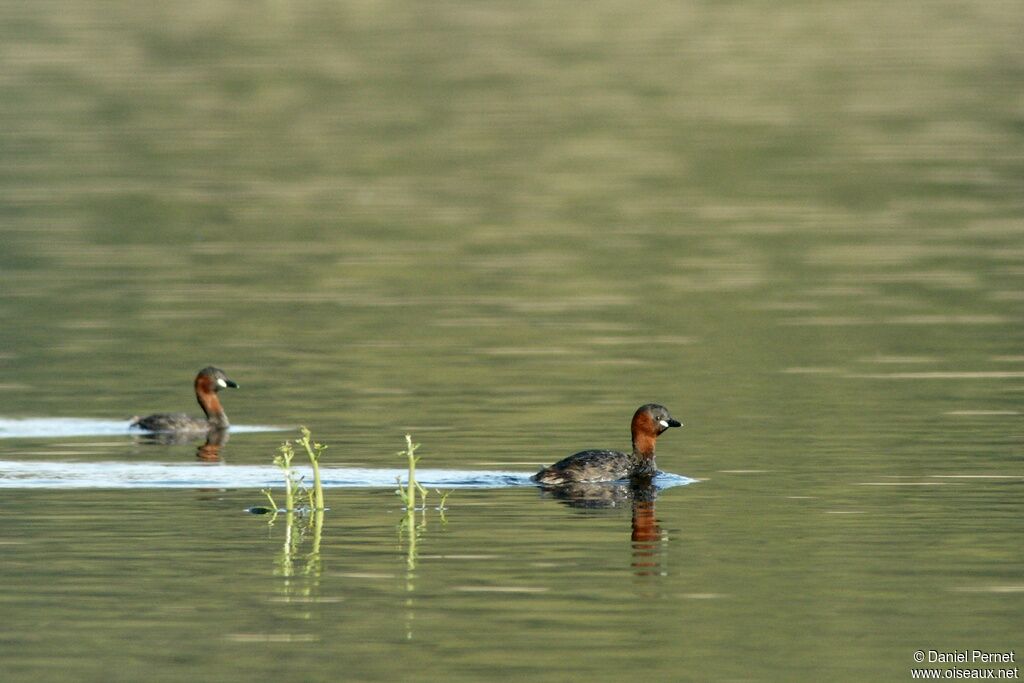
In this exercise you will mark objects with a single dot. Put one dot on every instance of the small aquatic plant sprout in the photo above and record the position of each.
(294, 488)
(408, 492)
(292, 479)
(314, 451)
(410, 531)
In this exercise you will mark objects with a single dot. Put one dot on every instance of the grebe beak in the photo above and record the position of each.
(671, 423)
(224, 383)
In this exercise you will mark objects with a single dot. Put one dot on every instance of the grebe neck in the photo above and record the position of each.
(210, 404)
(643, 445)
(645, 434)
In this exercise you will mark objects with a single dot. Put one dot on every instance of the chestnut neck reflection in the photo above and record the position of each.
(208, 451)
(646, 536)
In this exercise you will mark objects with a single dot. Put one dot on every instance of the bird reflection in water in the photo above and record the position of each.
(648, 540)
(208, 451)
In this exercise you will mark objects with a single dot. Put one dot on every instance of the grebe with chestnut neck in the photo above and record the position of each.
(649, 422)
(209, 381)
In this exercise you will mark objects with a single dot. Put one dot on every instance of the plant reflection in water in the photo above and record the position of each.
(411, 529)
(301, 521)
(291, 564)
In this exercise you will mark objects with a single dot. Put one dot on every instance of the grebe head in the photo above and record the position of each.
(653, 419)
(211, 379)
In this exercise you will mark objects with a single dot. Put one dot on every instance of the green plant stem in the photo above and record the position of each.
(284, 461)
(314, 451)
(412, 471)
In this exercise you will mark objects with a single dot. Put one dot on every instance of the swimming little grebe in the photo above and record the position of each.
(209, 381)
(649, 421)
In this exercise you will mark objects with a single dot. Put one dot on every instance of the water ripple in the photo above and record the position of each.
(119, 475)
(35, 427)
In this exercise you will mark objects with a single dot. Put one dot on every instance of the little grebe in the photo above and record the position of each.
(209, 381)
(649, 421)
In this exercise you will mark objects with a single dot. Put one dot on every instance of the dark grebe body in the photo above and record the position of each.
(209, 381)
(649, 421)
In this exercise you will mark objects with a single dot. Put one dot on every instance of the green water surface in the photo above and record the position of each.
(501, 227)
